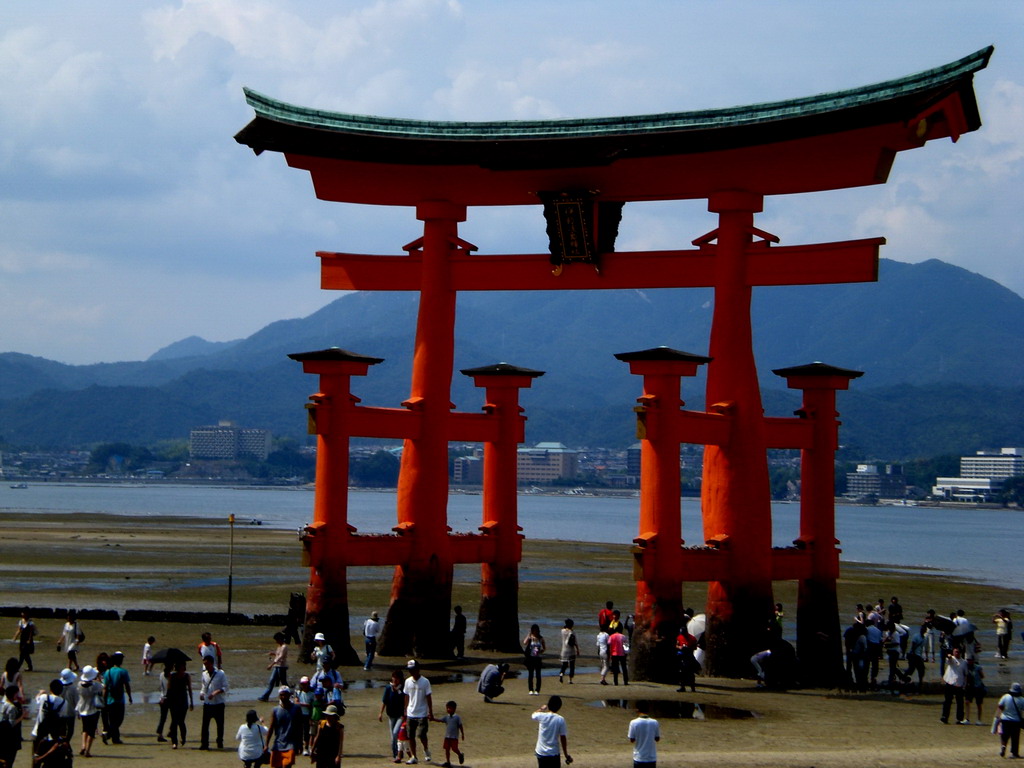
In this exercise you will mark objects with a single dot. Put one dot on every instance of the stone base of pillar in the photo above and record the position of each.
(739, 620)
(819, 640)
(327, 612)
(417, 620)
(497, 624)
(652, 655)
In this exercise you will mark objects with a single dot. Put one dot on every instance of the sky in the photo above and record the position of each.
(130, 218)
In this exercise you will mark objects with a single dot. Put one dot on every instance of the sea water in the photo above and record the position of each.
(980, 545)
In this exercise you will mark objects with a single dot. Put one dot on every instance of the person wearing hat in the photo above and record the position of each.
(117, 685)
(371, 631)
(326, 748)
(70, 681)
(419, 709)
(88, 706)
(321, 650)
(283, 730)
(1011, 707)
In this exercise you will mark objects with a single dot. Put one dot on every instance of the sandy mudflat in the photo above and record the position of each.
(121, 562)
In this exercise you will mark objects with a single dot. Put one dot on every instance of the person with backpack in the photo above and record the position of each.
(1011, 707)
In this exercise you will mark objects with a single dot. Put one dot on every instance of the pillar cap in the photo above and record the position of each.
(334, 354)
(501, 369)
(817, 369)
(662, 353)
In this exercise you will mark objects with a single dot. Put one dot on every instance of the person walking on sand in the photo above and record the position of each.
(552, 735)
(458, 634)
(453, 731)
(207, 647)
(419, 709)
(644, 734)
(371, 631)
(533, 648)
(12, 713)
(1011, 715)
(1004, 631)
(570, 650)
(25, 634)
(90, 702)
(392, 704)
(954, 677)
(283, 730)
(252, 740)
(214, 696)
(71, 637)
(975, 690)
(278, 666)
(147, 656)
(327, 747)
(617, 650)
(602, 654)
(117, 684)
(179, 702)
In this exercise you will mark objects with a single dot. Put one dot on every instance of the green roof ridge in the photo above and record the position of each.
(282, 112)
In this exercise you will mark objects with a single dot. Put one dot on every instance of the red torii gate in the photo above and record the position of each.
(581, 170)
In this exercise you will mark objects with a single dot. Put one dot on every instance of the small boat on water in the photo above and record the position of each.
(19, 486)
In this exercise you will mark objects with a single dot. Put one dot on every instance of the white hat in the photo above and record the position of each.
(89, 673)
(67, 676)
(319, 636)
(412, 664)
(284, 689)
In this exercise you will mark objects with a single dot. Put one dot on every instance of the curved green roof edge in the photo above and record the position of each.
(282, 112)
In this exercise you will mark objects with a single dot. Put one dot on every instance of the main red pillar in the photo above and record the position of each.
(659, 601)
(735, 493)
(497, 626)
(818, 639)
(417, 620)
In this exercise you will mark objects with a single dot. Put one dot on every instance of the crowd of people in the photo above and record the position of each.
(306, 719)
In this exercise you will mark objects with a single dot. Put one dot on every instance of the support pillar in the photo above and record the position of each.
(417, 620)
(659, 598)
(818, 638)
(497, 626)
(735, 495)
(324, 540)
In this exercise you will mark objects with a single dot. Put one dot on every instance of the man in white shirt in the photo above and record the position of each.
(371, 630)
(213, 695)
(644, 733)
(419, 709)
(954, 679)
(552, 734)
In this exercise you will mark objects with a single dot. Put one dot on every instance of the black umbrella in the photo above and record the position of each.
(943, 625)
(170, 656)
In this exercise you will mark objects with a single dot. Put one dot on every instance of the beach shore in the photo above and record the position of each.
(118, 562)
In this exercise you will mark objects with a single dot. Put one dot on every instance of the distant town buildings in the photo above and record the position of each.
(981, 476)
(880, 483)
(546, 462)
(228, 441)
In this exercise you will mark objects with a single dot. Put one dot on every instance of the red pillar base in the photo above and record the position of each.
(656, 624)
(327, 612)
(819, 643)
(738, 626)
(497, 625)
(417, 620)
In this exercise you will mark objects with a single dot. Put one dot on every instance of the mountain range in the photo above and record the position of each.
(939, 346)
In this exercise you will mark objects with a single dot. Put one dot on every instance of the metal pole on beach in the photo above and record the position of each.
(231, 560)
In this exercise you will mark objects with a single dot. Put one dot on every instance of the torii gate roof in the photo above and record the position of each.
(829, 141)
